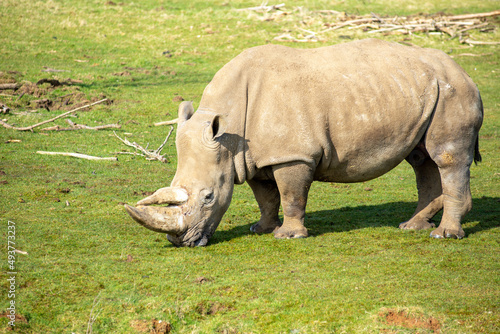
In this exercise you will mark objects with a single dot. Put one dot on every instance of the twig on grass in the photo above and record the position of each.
(31, 127)
(173, 121)
(93, 317)
(75, 126)
(471, 55)
(150, 155)
(264, 7)
(13, 86)
(78, 155)
(472, 42)
(473, 16)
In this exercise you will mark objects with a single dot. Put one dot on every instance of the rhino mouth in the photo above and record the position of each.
(197, 240)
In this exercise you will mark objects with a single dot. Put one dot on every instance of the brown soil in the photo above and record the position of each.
(154, 326)
(41, 95)
(405, 320)
(20, 319)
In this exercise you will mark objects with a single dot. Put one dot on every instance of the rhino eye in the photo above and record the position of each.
(207, 196)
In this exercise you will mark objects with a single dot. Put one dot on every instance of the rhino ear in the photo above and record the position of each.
(186, 110)
(213, 130)
(216, 126)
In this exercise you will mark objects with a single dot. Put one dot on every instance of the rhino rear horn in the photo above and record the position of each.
(159, 219)
(167, 195)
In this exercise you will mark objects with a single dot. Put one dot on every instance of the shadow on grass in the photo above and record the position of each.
(486, 211)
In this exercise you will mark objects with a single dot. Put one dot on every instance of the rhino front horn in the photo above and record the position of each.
(158, 219)
(167, 195)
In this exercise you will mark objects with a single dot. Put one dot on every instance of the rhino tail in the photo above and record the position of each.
(477, 155)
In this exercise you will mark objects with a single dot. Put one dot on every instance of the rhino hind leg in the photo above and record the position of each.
(294, 181)
(457, 201)
(430, 198)
(268, 198)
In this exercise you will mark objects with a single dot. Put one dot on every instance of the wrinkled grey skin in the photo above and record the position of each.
(281, 118)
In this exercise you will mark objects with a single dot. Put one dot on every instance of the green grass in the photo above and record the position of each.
(354, 270)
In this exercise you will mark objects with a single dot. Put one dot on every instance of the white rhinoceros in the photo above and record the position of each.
(280, 118)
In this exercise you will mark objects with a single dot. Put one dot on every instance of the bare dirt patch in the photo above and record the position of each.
(154, 326)
(19, 318)
(46, 93)
(405, 319)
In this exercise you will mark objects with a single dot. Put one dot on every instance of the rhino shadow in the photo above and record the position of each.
(486, 210)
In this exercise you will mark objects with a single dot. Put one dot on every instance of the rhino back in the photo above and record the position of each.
(353, 110)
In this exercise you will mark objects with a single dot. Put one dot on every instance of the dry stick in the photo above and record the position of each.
(9, 86)
(165, 141)
(263, 7)
(77, 155)
(473, 16)
(31, 127)
(82, 127)
(348, 23)
(174, 121)
(150, 155)
(473, 27)
(75, 126)
(471, 55)
(470, 41)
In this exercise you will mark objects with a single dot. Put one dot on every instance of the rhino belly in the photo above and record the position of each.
(365, 163)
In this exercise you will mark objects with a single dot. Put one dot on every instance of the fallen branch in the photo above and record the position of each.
(31, 127)
(471, 42)
(473, 16)
(150, 155)
(471, 55)
(290, 38)
(78, 155)
(264, 7)
(75, 126)
(173, 121)
(9, 86)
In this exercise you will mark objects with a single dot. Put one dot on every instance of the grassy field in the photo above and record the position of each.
(90, 269)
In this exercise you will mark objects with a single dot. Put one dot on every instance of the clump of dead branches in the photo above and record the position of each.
(148, 154)
(313, 26)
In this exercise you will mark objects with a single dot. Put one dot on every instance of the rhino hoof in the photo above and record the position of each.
(416, 224)
(284, 233)
(263, 229)
(441, 233)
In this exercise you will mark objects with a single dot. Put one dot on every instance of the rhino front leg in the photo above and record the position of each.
(430, 198)
(294, 181)
(268, 197)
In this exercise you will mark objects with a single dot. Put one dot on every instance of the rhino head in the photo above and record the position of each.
(202, 188)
